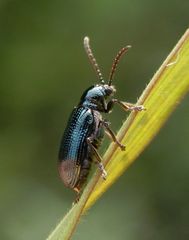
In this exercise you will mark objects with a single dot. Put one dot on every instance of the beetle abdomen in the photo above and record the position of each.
(69, 172)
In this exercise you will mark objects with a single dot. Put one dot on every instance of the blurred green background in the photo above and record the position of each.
(43, 72)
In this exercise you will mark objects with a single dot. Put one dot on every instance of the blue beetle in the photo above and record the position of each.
(85, 128)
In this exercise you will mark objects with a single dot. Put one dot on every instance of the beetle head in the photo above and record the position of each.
(95, 96)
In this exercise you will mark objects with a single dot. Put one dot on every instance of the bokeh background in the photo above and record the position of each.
(43, 72)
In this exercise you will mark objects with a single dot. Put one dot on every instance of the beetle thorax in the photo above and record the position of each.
(95, 96)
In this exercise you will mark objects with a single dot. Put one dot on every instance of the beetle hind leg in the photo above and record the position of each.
(78, 195)
(84, 172)
(98, 158)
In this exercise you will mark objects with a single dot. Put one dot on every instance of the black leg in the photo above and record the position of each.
(98, 158)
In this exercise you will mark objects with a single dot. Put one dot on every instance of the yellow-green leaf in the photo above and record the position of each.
(162, 95)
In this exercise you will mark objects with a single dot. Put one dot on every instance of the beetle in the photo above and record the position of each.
(86, 127)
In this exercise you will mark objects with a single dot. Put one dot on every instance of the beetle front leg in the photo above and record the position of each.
(98, 158)
(126, 106)
(112, 135)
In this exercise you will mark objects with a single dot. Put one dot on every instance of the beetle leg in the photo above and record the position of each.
(112, 135)
(98, 158)
(126, 106)
(77, 196)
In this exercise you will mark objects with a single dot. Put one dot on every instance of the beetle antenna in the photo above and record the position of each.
(116, 61)
(92, 59)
